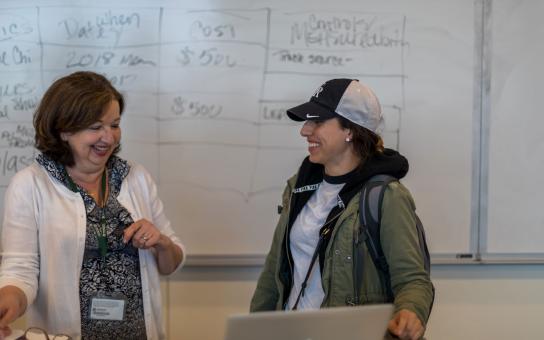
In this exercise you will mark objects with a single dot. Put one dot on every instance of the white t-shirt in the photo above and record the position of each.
(304, 237)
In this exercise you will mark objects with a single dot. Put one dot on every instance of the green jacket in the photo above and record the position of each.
(410, 282)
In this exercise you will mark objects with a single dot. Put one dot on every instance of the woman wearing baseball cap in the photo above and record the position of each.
(307, 266)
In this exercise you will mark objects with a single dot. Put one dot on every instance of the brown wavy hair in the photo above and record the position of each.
(71, 104)
(365, 142)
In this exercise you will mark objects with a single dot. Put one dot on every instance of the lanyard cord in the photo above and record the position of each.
(103, 237)
(314, 257)
(102, 193)
(324, 233)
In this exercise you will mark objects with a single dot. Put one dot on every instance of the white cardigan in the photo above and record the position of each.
(43, 241)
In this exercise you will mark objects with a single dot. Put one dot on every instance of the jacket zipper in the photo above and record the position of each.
(357, 239)
(286, 237)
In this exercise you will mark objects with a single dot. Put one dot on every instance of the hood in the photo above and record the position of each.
(390, 162)
(310, 175)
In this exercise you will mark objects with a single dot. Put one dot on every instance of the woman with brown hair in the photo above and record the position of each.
(84, 233)
(311, 264)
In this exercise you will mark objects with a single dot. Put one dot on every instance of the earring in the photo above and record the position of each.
(348, 140)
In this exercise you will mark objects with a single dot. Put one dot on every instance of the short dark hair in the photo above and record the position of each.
(365, 142)
(71, 104)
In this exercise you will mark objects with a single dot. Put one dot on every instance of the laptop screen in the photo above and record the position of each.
(347, 323)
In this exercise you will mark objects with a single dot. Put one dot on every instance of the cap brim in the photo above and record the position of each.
(310, 111)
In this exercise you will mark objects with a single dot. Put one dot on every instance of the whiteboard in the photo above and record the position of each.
(207, 84)
(515, 215)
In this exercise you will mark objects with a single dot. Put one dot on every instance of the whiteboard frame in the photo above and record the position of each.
(257, 260)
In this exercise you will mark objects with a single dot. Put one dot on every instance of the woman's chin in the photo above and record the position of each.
(101, 157)
(314, 159)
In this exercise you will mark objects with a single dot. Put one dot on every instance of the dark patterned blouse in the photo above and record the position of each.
(118, 274)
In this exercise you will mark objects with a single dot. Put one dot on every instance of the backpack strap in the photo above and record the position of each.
(370, 204)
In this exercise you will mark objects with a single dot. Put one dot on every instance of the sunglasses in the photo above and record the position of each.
(36, 333)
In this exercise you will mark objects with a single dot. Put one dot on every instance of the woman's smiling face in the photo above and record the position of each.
(93, 146)
(327, 144)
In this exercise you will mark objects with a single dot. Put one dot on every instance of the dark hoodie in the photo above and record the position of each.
(310, 175)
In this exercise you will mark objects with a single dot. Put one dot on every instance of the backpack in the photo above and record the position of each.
(370, 205)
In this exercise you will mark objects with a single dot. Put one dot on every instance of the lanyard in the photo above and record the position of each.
(325, 231)
(322, 236)
(100, 231)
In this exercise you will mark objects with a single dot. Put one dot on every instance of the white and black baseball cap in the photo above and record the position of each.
(346, 98)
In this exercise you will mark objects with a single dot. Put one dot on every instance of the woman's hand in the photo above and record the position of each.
(145, 235)
(406, 325)
(12, 305)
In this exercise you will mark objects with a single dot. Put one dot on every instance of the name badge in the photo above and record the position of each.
(107, 308)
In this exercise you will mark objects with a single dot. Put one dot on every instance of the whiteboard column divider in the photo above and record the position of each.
(484, 52)
(166, 300)
(40, 42)
(480, 131)
(477, 128)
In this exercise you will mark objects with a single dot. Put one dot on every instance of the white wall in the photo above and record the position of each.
(476, 302)
(473, 302)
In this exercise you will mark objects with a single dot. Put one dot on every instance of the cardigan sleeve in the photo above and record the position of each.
(20, 252)
(152, 206)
